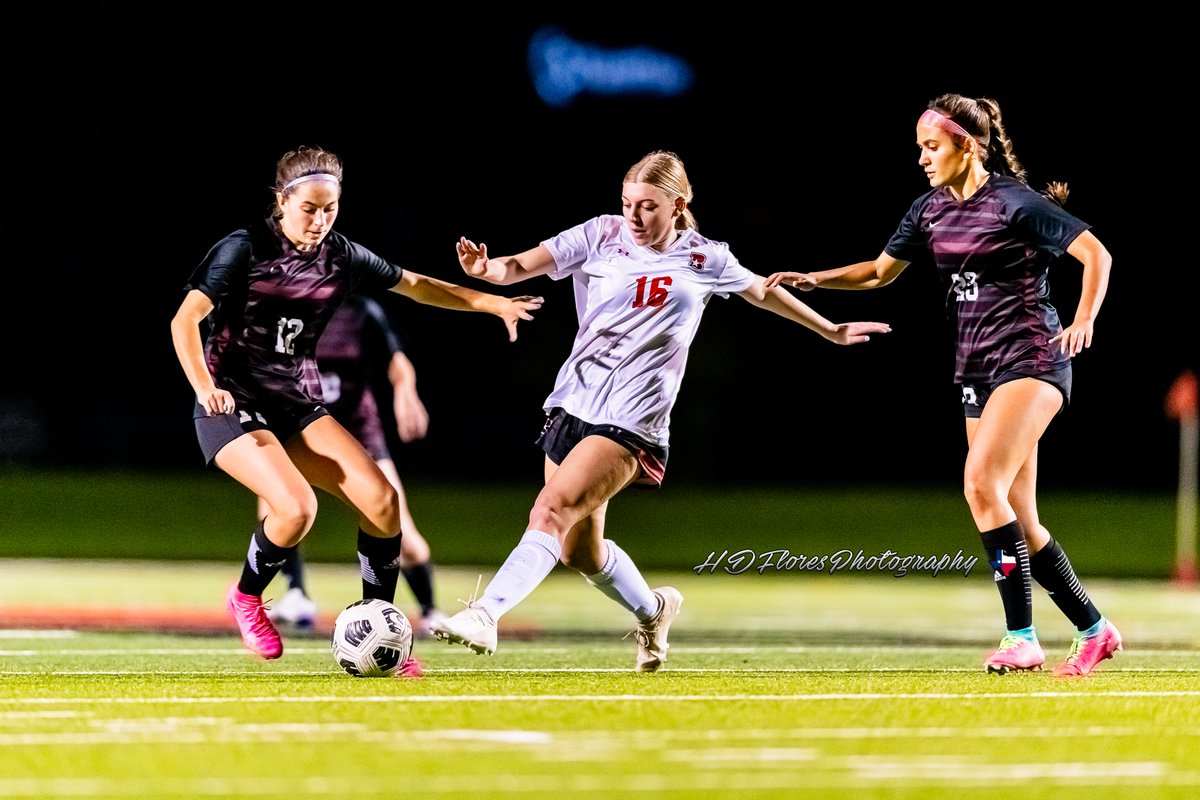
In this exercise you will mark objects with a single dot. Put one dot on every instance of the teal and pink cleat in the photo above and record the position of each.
(1015, 654)
(1087, 652)
(258, 634)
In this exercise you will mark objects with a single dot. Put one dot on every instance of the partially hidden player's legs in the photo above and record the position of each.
(416, 563)
(259, 462)
(1000, 442)
(331, 459)
(1097, 638)
(595, 470)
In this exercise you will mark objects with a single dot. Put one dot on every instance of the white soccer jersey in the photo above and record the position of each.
(639, 310)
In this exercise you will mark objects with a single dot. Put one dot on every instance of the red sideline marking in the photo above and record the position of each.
(173, 620)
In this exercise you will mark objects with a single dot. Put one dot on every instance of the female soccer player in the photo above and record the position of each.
(993, 239)
(642, 282)
(267, 293)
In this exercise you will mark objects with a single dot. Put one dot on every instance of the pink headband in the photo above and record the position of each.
(936, 120)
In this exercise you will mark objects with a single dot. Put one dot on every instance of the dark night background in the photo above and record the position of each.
(134, 144)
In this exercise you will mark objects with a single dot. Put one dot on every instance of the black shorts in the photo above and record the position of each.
(216, 431)
(561, 432)
(975, 395)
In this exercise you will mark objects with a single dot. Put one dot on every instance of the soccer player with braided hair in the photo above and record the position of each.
(993, 239)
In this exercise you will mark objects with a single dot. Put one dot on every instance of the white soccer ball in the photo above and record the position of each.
(372, 639)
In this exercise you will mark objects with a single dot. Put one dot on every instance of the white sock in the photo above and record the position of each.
(526, 566)
(620, 579)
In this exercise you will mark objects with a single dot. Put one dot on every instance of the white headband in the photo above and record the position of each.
(317, 176)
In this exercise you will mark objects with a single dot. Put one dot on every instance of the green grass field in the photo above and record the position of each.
(788, 685)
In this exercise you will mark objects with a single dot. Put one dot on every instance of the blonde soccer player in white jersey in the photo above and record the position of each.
(642, 281)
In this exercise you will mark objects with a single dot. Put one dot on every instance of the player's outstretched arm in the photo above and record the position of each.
(502, 270)
(780, 302)
(434, 292)
(863, 275)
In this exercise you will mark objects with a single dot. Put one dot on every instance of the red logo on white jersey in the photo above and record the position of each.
(696, 261)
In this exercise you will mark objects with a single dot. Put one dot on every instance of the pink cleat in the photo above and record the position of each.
(258, 634)
(1015, 654)
(410, 669)
(1087, 653)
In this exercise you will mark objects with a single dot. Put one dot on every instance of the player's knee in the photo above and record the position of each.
(294, 513)
(382, 507)
(981, 490)
(550, 516)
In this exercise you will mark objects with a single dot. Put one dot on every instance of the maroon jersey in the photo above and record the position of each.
(353, 354)
(271, 304)
(993, 252)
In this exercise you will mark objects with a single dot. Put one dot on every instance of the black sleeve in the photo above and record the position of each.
(1046, 224)
(909, 242)
(370, 272)
(226, 262)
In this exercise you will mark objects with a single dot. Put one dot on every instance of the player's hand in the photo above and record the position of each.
(1074, 338)
(518, 308)
(473, 258)
(857, 332)
(412, 420)
(217, 401)
(803, 281)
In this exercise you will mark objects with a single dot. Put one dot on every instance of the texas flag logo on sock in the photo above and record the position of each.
(1003, 564)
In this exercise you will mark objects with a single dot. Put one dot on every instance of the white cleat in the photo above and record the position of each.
(651, 636)
(472, 627)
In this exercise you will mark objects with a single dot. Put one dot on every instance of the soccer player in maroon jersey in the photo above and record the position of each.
(992, 239)
(267, 293)
(360, 346)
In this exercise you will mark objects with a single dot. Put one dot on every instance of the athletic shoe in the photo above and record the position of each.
(1015, 654)
(294, 608)
(651, 636)
(1087, 652)
(472, 627)
(258, 634)
(422, 628)
(410, 669)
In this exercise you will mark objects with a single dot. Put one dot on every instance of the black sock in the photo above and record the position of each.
(293, 570)
(1051, 568)
(1009, 557)
(379, 564)
(263, 561)
(420, 580)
